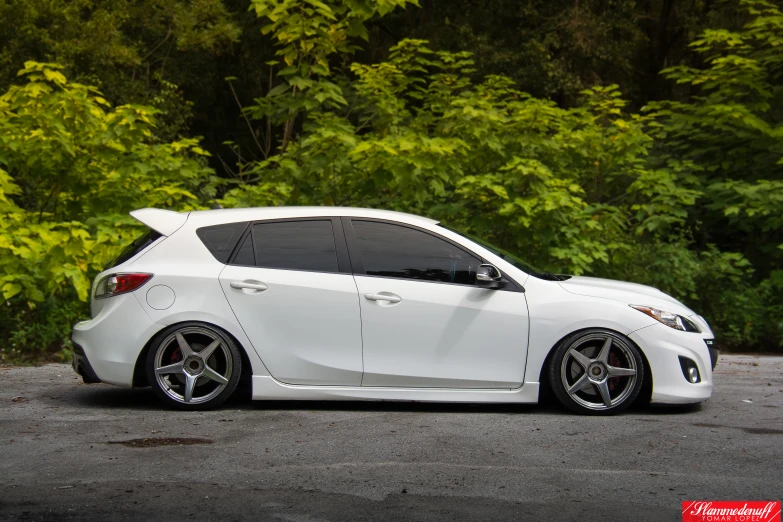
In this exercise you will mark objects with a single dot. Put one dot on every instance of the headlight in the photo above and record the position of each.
(671, 320)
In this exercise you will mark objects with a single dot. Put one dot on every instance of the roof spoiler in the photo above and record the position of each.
(165, 222)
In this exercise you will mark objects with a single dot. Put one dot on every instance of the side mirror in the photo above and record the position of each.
(488, 276)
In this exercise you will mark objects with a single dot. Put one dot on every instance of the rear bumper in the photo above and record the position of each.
(663, 346)
(81, 365)
(112, 341)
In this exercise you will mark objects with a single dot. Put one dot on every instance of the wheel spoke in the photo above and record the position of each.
(603, 389)
(580, 384)
(171, 368)
(206, 352)
(614, 371)
(184, 346)
(209, 373)
(603, 356)
(187, 359)
(579, 357)
(609, 377)
(190, 384)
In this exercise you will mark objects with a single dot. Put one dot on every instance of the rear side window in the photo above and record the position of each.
(398, 251)
(220, 240)
(134, 248)
(291, 245)
(245, 255)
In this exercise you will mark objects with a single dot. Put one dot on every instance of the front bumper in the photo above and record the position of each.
(111, 342)
(663, 346)
(714, 352)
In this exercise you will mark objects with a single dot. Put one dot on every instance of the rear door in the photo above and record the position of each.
(290, 286)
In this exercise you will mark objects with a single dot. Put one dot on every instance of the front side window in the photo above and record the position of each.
(397, 251)
(291, 245)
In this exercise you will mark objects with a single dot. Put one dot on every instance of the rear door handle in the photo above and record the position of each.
(383, 297)
(247, 285)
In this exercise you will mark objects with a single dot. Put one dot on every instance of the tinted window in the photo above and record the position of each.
(134, 248)
(245, 254)
(398, 251)
(221, 239)
(295, 245)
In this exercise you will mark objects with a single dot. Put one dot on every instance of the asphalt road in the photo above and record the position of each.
(65, 455)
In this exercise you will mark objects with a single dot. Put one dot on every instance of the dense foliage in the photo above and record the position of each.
(328, 103)
(71, 168)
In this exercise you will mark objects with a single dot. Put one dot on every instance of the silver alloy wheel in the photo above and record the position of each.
(197, 359)
(599, 371)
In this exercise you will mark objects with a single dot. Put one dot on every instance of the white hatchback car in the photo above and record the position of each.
(354, 304)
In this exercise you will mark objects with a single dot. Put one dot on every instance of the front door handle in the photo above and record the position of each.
(249, 285)
(391, 298)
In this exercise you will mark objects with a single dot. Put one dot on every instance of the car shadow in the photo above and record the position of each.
(143, 399)
(108, 397)
(669, 409)
(403, 406)
(101, 396)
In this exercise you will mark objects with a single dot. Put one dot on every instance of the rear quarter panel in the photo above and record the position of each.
(184, 264)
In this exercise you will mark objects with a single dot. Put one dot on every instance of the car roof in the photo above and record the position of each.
(214, 217)
(167, 222)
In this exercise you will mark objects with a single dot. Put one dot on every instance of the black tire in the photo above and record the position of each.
(582, 381)
(201, 377)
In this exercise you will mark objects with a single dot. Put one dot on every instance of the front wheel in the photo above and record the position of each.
(193, 366)
(596, 372)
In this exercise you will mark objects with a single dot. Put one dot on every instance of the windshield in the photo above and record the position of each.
(508, 257)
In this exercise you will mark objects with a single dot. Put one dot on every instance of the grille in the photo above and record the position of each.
(714, 352)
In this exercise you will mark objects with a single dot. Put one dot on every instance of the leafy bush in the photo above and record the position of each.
(71, 168)
(41, 332)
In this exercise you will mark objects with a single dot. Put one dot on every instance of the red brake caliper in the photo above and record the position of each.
(176, 355)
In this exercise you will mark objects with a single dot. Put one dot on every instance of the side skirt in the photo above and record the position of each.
(267, 388)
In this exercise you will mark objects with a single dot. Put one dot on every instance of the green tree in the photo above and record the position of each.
(71, 168)
(135, 52)
(731, 134)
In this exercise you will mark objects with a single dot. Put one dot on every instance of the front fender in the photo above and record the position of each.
(556, 313)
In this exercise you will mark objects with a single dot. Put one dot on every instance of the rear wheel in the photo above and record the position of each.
(193, 366)
(596, 372)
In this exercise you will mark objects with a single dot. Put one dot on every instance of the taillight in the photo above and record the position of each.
(116, 284)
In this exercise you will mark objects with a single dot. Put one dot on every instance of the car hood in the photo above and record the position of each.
(631, 293)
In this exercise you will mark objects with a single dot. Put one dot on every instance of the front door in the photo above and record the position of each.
(297, 304)
(424, 321)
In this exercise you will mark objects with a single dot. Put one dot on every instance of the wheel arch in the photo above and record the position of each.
(139, 370)
(543, 377)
